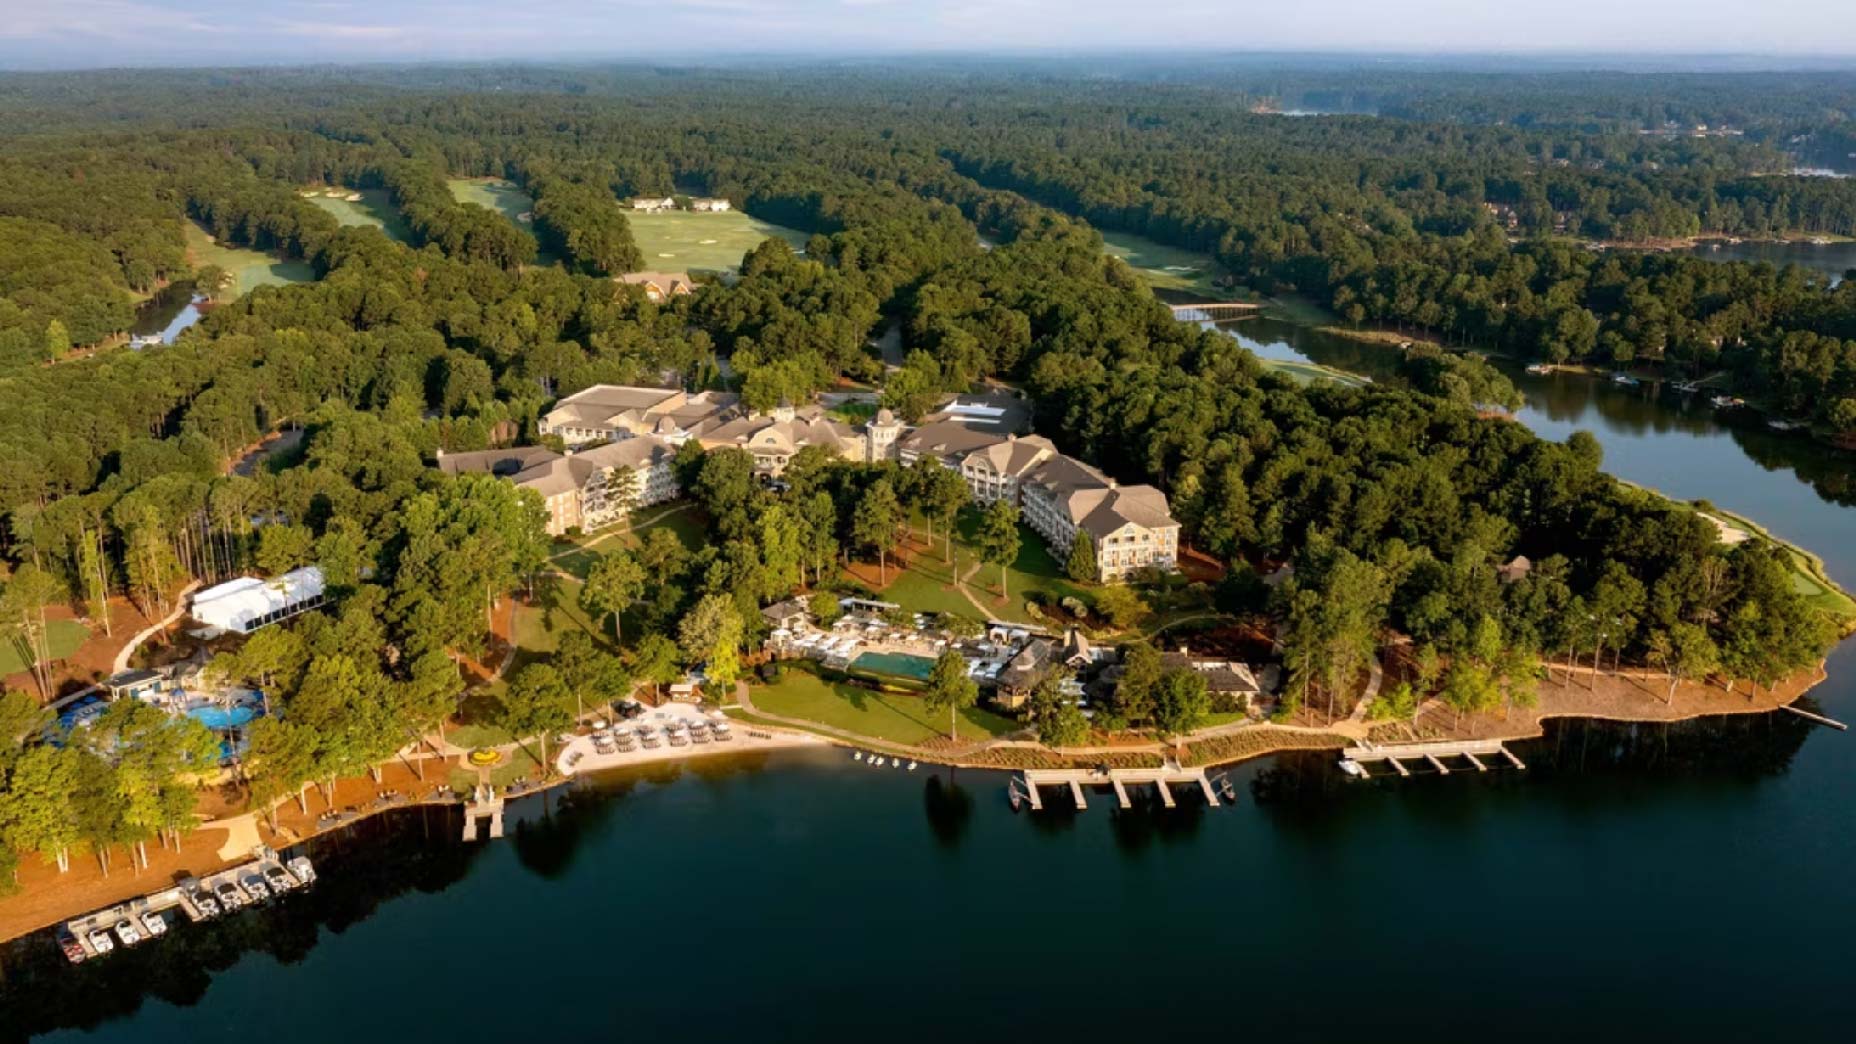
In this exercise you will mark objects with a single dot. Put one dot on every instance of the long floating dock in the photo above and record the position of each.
(1074, 780)
(267, 876)
(1431, 755)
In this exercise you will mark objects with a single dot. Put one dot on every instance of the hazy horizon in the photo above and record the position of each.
(75, 34)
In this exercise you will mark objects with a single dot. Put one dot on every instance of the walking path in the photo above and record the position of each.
(180, 610)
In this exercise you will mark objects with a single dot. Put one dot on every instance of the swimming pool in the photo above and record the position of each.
(901, 664)
(234, 717)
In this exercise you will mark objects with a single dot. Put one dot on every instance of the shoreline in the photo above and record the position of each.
(223, 843)
(1252, 742)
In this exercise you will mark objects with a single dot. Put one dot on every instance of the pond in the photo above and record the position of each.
(172, 309)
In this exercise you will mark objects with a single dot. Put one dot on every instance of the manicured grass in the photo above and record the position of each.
(687, 241)
(925, 585)
(62, 637)
(1808, 575)
(686, 520)
(504, 197)
(539, 627)
(1164, 267)
(898, 718)
(375, 210)
(477, 734)
(250, 269)
(1307, 373)
(683, 518)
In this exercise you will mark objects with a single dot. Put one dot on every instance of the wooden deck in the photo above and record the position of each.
(1430, 754)
(1075, 780)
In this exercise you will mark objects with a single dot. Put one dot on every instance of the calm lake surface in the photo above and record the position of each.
(1635, 883)
(1832, 259)
(168, 312)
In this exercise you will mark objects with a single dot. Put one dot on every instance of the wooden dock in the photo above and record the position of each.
(179, 896)
(485, 804)
(1075, 780)
(1431, 754)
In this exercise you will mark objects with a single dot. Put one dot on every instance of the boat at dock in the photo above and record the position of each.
(1724, 402)
(1625, 379)
(265, 876)
(1540, 369)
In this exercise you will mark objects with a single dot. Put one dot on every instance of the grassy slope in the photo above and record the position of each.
(250, 268)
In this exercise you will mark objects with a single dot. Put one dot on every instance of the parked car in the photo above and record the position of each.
(127, 933)
(100, 941)
(154, 924)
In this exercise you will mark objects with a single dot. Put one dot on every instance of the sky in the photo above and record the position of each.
(92, 33)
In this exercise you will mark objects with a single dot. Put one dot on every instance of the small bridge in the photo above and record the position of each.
(1209, 311)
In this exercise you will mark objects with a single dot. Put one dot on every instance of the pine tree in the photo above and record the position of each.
(1082, 562)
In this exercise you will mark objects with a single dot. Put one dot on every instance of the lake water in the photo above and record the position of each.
(1632, 884)
(1832, 259)
(1803, 491)
(1635, 883)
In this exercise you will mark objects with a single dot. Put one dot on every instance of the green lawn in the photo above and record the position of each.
(504, 197)
(62, 637)
(1808, 575)
(898, 718)
(687, 241)
(683, 518)
(1307, 373)
(539, 627)
(375, 210)
(1165, 267)
(925, 585)
(250, 269)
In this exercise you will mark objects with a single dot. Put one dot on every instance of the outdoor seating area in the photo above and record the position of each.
(674, 725)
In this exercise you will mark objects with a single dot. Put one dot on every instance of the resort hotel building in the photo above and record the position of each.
(611, 428)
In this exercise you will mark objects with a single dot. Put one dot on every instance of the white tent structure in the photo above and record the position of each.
(248, 603)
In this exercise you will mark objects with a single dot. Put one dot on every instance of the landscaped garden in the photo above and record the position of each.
(1035, 575)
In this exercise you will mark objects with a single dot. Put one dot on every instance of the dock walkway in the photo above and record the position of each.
(1431, 754)
(1162, 779)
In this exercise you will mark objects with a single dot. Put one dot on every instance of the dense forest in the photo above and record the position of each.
(1394, 503)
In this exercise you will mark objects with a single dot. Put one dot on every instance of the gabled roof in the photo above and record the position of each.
(1013, 456)
(1102, 512)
